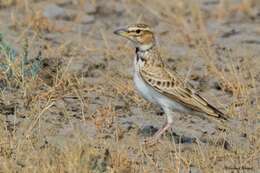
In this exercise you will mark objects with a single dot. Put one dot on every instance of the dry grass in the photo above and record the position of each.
(67, 115)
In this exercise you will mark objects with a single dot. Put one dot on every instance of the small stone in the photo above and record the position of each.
(119, 105)
(180, 139)
(147, 131)
(87, 19)
(53, 11)
(7, 109)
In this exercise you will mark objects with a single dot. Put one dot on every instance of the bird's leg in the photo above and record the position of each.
(152, 140)
(159, 133)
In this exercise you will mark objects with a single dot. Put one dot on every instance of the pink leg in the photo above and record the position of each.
(158, 134)
(166, 126)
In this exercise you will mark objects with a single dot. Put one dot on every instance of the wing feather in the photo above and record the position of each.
(172, 86)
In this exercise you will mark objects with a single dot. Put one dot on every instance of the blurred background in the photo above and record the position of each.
(68, 103)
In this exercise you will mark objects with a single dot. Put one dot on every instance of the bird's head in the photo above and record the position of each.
(140, 34)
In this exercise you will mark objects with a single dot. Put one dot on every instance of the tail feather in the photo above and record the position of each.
(211, 110)
(218, 112)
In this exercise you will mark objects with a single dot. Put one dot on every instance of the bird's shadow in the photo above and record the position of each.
(148, 131)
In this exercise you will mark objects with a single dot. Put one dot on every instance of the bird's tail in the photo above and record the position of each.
(219, 114)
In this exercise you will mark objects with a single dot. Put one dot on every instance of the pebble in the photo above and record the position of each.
(87, 19)
(53, 11)
(147, 131)
(180, 139)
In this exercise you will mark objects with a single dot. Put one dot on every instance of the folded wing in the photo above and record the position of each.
(174, 87)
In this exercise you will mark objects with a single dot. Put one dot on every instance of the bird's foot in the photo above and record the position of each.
(155, 138)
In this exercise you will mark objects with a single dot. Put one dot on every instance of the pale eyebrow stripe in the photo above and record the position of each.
(143, 29)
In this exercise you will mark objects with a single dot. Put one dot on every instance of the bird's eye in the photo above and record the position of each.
(138, 31)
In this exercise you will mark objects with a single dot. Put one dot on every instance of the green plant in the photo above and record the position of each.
(18, 65)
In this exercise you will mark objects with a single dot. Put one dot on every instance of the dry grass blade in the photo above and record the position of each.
(37, 119)
(68, 103)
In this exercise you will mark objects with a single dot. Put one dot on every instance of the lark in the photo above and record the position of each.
(160, 86)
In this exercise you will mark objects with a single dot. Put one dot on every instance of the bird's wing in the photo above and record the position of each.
(173, 87)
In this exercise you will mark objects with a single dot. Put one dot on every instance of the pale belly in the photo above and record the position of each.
(144, 89)
(155, 97)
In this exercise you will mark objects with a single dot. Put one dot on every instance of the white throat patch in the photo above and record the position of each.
(145, 47)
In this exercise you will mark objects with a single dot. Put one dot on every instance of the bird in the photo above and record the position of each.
(160, 86)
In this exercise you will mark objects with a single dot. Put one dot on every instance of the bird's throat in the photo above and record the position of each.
(145, 47)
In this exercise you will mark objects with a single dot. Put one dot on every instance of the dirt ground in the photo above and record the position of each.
(68, 103)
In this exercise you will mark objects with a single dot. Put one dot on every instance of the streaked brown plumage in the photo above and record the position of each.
(160, 86)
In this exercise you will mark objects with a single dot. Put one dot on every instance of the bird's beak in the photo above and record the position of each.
(123, 32)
